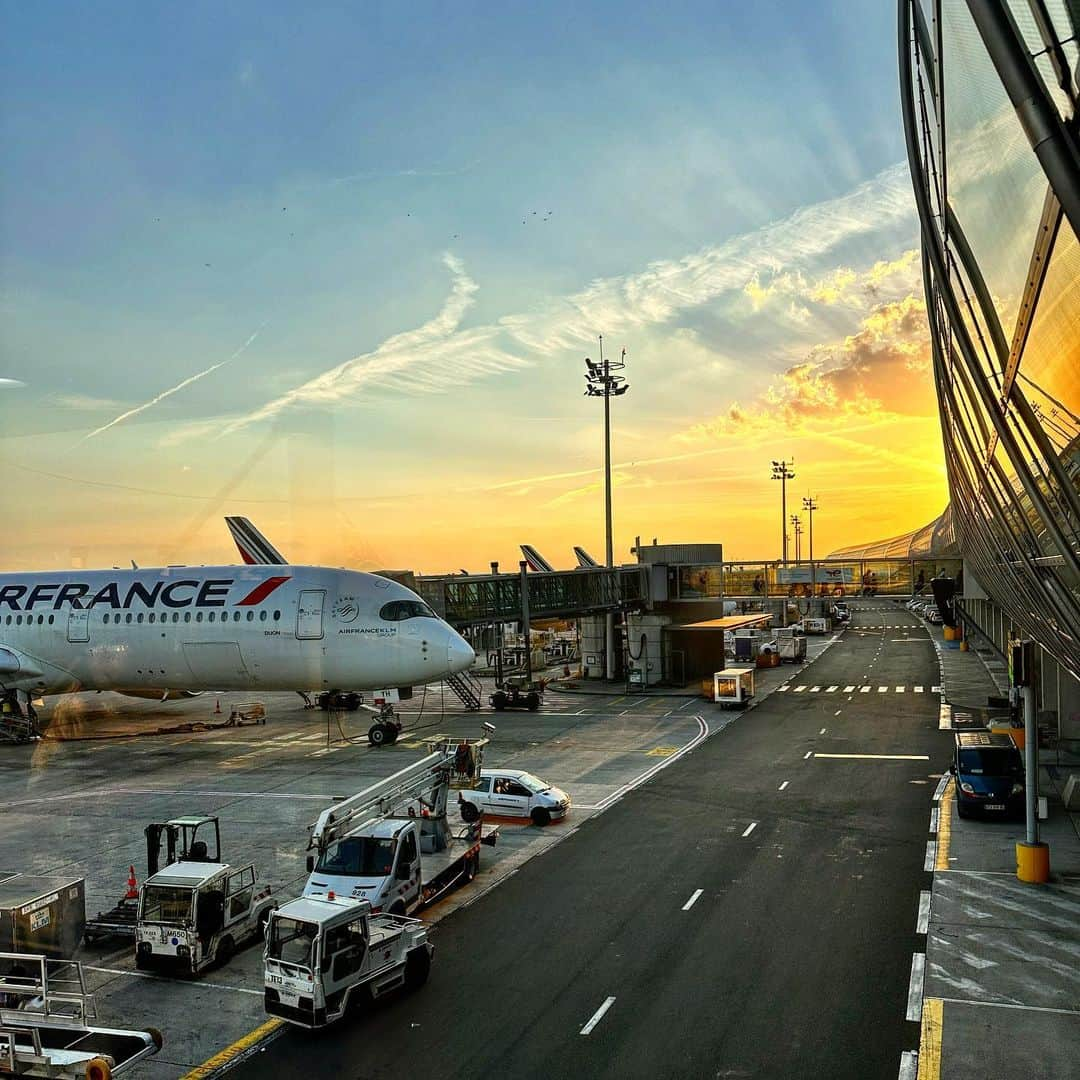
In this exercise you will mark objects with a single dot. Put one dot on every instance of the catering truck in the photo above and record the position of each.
(325, 953)
(391, 844)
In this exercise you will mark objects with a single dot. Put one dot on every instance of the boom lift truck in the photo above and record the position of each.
(323, 953)
(391, 844)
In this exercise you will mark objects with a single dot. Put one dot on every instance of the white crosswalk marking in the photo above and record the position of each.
(899, 689)
(918, 689)
(799, 689)
(848, 689)
(865, 689)
(782, 689)
(935, 689)
(831, 689)
(815, 689)
(882, 689)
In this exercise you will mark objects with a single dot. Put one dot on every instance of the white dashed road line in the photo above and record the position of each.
(693, 899)
(597, 1016)
(915, 988)
(749, 829)
(783, 785)
(922, 922)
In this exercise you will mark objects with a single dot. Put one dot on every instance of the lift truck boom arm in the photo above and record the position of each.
(427, 781)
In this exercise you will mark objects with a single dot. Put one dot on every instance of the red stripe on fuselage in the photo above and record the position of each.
(262, 591)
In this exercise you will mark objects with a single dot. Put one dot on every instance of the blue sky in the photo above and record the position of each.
(330, 179)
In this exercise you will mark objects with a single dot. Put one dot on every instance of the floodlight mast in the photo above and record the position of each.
(599, 382)
(783, 471)
(810, 504)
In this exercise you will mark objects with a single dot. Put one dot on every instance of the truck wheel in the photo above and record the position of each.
(469, 812)
(498, 701)
(417, 968)
(352, 702)
(391, 735)
(376, 735)
(533, 702)
(541, 817)
(225, 950)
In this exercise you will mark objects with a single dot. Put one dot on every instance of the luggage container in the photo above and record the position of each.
(733, 687)
(44, 915)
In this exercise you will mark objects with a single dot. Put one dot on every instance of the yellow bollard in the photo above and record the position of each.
(1033, 862)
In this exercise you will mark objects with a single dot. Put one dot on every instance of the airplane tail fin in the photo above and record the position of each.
(255, 549)
(584, 559)
(537, 563)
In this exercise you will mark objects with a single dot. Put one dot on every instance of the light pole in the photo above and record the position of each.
(783, 471)
(599, 382)
(797, 522)
(810, 505)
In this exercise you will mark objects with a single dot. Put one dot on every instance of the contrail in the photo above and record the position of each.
(174, 389)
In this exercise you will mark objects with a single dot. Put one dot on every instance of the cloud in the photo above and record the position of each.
(183, 384)
(877, 372)
(84, 402)
(431, 358)
(440, 354)
(11, 384)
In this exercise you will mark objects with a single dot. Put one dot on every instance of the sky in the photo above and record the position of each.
(337, 268)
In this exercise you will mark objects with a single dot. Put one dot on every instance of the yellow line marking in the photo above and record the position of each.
(930, 1040)
(661, 751)
(243, 1044)
(944, 827)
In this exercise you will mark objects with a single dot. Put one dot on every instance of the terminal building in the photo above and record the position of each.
(989, 94)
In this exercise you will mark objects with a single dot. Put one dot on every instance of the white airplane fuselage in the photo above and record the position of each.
(219, 628)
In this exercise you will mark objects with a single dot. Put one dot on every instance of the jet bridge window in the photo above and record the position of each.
(398, 610)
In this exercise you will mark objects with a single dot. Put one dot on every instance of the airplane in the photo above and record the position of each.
(584, 560)
(178, 628)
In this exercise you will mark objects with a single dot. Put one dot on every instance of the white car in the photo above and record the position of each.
(513, 793)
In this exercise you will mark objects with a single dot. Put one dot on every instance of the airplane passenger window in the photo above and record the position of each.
(40, 619)
(50, 620)
(251, 615)
(152, 616)
(18, 620)
(187, 616)
(139, 619)
(236, 616)
(7, 620)
(176, 616)
(210, 617)
(262, 616)
(127, 618)
(198, 616)
(277, 616)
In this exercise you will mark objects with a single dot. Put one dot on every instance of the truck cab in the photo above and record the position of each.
(194, 914)
(379, 863)
(322, 952)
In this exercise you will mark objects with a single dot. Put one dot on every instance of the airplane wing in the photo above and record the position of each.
(584, 559)
(255, 549)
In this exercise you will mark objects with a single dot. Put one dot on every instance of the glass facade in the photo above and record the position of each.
(1000, 215)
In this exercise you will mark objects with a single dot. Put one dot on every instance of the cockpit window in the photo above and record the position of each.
(397, 610)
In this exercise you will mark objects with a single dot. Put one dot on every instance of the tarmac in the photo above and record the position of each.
(1001, 993)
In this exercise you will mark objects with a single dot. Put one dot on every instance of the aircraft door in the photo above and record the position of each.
(78, 625)
(309, 614)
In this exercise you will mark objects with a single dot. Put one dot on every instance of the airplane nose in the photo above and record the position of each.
(459, 654)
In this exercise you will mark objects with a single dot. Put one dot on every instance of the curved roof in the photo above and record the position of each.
(934, 541)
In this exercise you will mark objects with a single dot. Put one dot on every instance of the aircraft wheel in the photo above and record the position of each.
(533, 702)
(376, 735)
(498, 701)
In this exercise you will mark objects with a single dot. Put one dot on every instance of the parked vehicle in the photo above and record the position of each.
(323, 953)
(989, 772)
(514, 793)
(194, 914)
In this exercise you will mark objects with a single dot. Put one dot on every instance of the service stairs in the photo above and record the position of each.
(468, 689)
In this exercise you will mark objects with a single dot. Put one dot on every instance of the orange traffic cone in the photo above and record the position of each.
(132, 885)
